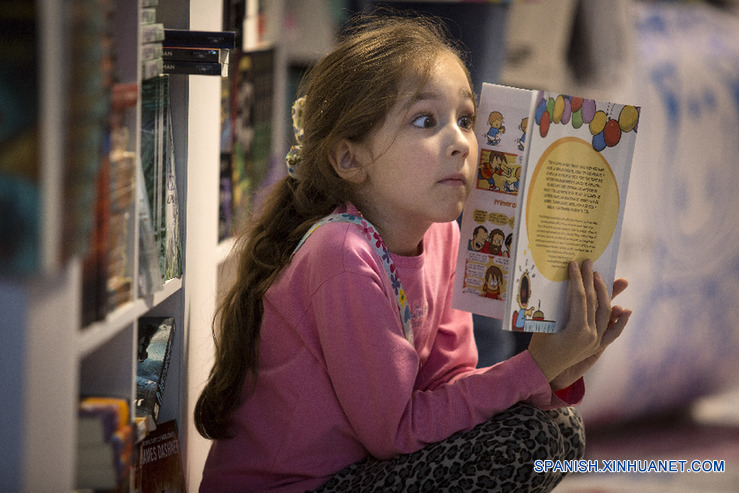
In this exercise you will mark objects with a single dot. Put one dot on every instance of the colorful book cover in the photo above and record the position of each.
(155, 336)
(551, 188)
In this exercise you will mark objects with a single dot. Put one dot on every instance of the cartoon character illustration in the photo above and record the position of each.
(512, 180)
(523, 296)
(523, 127)
(493, 283)
(495, 120)
(491, 170)
(494, 245)
(508, 241)
(477, 242)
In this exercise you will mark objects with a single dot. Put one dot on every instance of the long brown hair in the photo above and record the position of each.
(348, 93)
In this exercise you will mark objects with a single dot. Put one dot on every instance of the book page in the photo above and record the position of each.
(488, 221)
(576, 180)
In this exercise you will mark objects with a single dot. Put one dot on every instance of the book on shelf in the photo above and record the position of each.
(172, 226)
(159, 467)
(199, 39)
(213, 55)
(246, 134)
(551, 188)
(150, 272)
(21, 223)
(106, 269)
(193, 67)
(105, 443)
(89, 77)
(159, 173)
(122, 194)
(152, 35)
(155, 336)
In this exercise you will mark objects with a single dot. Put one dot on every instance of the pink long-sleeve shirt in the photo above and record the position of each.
(337, 379)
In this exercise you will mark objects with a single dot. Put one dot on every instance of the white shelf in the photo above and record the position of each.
(98, 333)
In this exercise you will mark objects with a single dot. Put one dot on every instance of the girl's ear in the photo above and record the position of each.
(346, 161)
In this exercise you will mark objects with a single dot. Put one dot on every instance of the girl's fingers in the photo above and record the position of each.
(590, 293)
(578, 298)
(619, 285)
(619, 319)
(603, 315)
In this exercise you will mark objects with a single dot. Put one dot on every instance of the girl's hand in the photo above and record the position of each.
(564, 357)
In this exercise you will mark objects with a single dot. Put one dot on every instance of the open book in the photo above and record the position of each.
(551, 188)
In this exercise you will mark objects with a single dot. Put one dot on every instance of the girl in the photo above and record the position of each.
(340, 365)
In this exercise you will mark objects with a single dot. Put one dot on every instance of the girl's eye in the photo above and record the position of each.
(467, 122)
(424, 121)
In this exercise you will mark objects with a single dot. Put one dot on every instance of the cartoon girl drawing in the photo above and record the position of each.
(523, 296)
(495, 120)
(493, 283)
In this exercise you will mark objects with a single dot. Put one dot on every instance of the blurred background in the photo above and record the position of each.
(668, 387)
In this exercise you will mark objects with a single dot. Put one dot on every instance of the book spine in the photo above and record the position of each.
(204, 39)
(152, 33)
(191, 67)
(192, 54)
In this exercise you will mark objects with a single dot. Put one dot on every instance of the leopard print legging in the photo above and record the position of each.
(496, 456)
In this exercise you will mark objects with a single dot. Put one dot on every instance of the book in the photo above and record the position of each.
(172, 241)
(155, 336)
(159, 467)
(551, 188)
(199, 39)
(21, 191)
(193, 54)
(193, 67)
(105, 443)
(246, 132)
(106, 465)
(99, 418)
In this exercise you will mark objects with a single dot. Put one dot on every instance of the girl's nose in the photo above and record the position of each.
(460, 144)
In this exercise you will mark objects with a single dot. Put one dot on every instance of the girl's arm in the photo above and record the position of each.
(373, 370)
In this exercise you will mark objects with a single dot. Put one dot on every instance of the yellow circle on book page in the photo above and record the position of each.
(573, 204)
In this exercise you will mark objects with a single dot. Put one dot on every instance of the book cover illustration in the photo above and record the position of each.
(154, 349)
(160, 461)
(551, 188)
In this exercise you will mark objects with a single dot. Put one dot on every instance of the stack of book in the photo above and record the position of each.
(197, 52)
(105, 443)
(152, 34)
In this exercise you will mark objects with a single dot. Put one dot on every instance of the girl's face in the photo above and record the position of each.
(422, 160)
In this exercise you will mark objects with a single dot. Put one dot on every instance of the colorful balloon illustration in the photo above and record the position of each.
(628, 118)
(599, 142)
(606, 131)
(576, 103)
(541, 107)
(598, 122)
(612, 133)
(588, 110)
(559, 109)
(544, 125)
(577, 118)
(567, 113)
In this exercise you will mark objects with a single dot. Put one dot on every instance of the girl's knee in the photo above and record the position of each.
(572, 430)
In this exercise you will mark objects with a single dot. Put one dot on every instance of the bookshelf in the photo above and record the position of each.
(48, 355)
